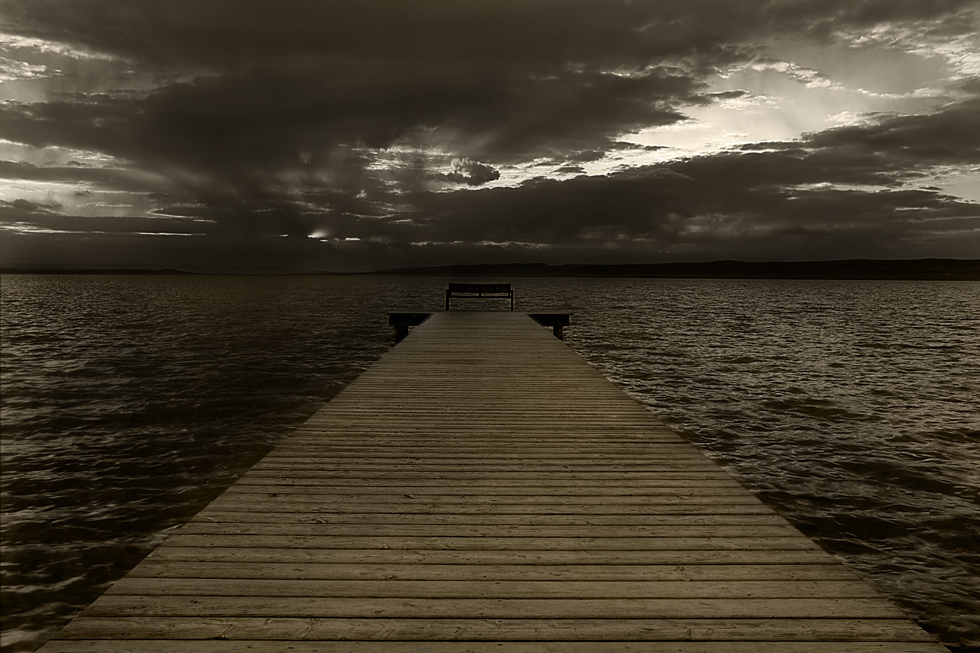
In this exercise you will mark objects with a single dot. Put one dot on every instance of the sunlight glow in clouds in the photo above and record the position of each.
(38, 46)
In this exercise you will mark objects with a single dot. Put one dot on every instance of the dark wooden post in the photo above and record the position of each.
(403, 321)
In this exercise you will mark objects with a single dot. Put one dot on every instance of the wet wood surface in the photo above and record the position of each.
(481, 488)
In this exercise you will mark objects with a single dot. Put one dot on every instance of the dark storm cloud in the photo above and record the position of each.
(473, 173)
(776, 201)
(516, 80)
(652, 222)
(100, 123)
(508, 81)
(277, 117)
(791, 200)
(286, 118)
(823, 17)
(265, 137)
(949, 136)
(98, 178)
(49, 218)
(607, 208)
(230, 33)
(25, 208)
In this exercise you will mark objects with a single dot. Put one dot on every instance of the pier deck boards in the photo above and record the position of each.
(482, 488)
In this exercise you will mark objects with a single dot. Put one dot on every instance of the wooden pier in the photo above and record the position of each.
(481, 488)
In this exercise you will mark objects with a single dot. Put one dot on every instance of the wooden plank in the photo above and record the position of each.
(648, 496)
(496, 530)
(407, 571)
(465, 465)
(316, 446)
(663, 508)
(528, 468)
(789, 543)
(627, 630)
(482, 488)
(557, 477)
(111, 605)
(254, 482)
(496, 589)
(173, 553)
(411, 440)
(559, 646)
(408, 518)
(327, 489)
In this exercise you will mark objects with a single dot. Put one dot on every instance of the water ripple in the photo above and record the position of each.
(129, 403)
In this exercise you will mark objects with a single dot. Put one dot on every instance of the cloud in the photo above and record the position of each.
(384, 123)
(832, 195)
(947, 136)
(22, 207)
(11, 70)
(85, 179)
(226, 34)
(467, 171)
(835, 194)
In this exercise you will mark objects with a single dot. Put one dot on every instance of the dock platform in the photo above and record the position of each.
(482, 488)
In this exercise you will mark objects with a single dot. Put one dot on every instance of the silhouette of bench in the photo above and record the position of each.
(481, 290)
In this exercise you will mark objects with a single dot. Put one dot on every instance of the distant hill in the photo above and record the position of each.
(919, 269)
(87, 271)
(227, 271)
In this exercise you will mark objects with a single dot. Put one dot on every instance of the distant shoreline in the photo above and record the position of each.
(857, 269)
(91, 271)
(854, 269)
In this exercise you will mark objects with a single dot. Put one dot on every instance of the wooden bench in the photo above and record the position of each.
(487, 290)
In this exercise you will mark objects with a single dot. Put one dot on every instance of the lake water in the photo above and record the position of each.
(130, 402)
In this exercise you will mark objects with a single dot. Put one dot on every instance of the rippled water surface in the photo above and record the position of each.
(129, 402)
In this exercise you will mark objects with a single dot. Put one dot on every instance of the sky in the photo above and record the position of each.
(356, 135)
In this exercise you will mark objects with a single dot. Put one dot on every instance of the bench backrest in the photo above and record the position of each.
(488, 290)
(480, 288)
